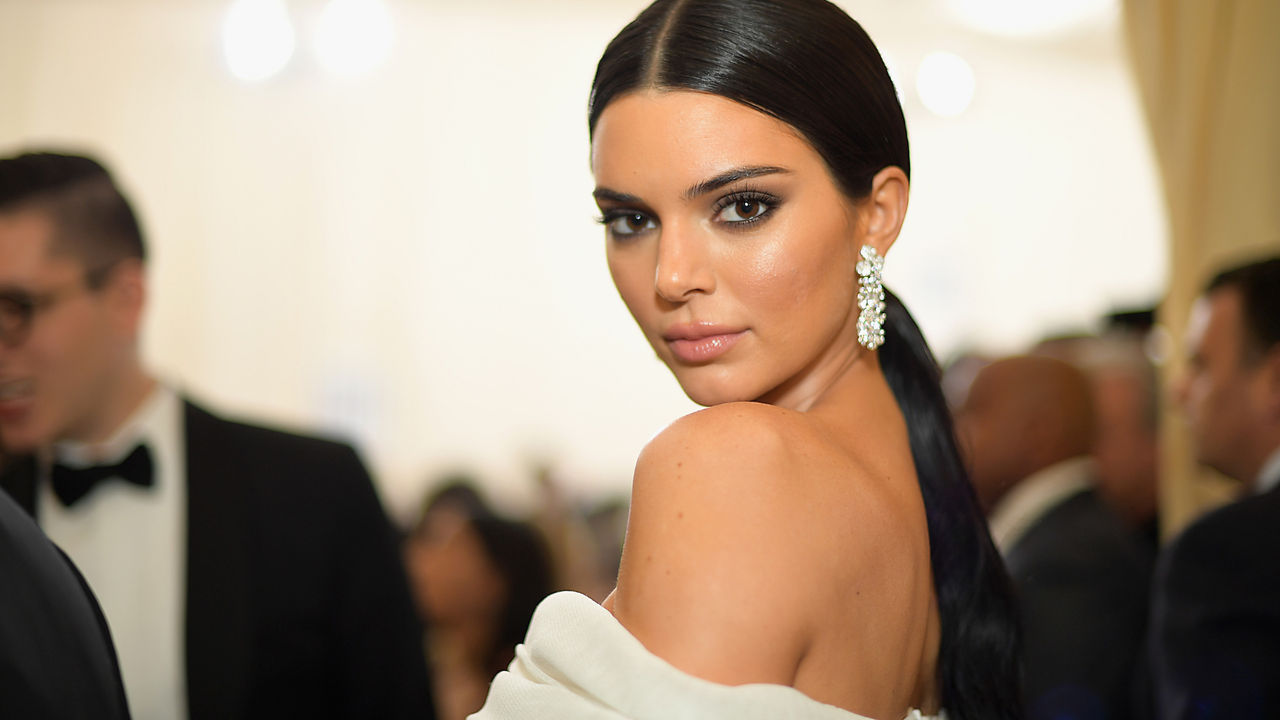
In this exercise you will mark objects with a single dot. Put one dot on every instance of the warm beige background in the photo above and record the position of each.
(409, 258)
(1210, 76)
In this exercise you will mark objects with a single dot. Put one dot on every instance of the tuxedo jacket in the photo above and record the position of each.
(1082, 580)
(56, 657)
(297, 603)
(1215, 616)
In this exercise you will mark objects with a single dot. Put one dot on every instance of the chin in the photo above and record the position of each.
(20, 439)
(713, 390)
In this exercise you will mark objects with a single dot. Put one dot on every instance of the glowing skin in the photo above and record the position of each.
(771, 275)
(783, 540)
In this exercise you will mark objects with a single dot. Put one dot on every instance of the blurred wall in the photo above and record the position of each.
(408, 258)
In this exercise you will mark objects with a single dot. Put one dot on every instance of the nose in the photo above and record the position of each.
(684, 265)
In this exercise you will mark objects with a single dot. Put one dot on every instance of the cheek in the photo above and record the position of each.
(803, 276)
(632, 275)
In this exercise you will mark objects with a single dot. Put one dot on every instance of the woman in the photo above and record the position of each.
(476, 578)
(812, 530)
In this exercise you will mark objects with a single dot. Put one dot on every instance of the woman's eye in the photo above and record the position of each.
(742, 211)
(631, 223)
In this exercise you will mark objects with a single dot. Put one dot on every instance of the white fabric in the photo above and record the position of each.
(1270, 475)
(130, 544)
(1024, 505)
(579, 663)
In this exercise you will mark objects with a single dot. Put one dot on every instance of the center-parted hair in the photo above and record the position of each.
(808, 64)
(92, 219)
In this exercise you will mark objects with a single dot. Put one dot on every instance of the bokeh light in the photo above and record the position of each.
(257, 38)
(945, 83)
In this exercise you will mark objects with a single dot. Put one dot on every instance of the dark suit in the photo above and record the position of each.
(1082, 580)
(56, 656)
(1215, 616)
(297, 603)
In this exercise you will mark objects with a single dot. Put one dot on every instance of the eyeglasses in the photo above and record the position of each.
(18, 310)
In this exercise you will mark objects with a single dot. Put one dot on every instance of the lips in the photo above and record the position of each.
(701, 342)
(15, 397)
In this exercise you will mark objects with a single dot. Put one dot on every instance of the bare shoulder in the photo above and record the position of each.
(724, 539)
(751, 438)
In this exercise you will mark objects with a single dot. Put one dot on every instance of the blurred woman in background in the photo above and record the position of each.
(476, 578)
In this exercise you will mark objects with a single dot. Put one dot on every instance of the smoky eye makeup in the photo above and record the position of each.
(744, 207)
(625, 222)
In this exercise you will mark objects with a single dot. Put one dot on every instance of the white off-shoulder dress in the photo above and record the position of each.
(579, 663)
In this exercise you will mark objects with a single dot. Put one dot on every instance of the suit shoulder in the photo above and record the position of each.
(1082, 533)
(204, 425)
(1236, 536)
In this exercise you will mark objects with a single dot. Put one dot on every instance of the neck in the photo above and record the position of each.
(118, 403)
(467, 642)
(826, 376)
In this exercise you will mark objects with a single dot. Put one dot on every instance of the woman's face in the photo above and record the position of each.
(730, 244)
(451, 575)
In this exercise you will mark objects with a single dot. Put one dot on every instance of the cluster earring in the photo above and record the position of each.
(870, 299)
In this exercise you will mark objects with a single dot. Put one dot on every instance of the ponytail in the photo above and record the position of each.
(978, 667)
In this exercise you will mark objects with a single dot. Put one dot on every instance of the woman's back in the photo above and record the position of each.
(774, 546)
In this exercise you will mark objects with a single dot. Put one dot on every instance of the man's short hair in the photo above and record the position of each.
(92, 219)
(1259, 286)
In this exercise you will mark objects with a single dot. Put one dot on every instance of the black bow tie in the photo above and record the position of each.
(71, 484)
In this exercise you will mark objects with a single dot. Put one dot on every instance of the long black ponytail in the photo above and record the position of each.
(811, 66)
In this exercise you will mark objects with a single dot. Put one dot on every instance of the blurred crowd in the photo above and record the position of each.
(1063, 447)
(247, 572)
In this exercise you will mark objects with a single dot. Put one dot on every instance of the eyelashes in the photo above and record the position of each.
(745, 207)
(625, 223)
(735, 211)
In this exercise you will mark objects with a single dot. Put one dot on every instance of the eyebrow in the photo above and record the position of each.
(615, 196)
(701, 188)
(731, 176)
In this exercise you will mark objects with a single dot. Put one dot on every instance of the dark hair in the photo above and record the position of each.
(92, 219)
(459, 492)
(519, 552)
(1259, 287)
(808, 64)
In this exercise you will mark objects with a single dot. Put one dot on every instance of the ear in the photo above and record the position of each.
(126, 290)
(883, 211)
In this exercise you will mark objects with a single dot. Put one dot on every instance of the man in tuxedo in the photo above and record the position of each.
(1081, 577)
(244, 572)
(1215, 615)
(56, 657)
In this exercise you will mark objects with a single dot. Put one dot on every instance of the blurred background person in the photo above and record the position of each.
(244, 572)
(1126, 446)
(1125, 390)
(1027, 428)
(1215, 626)
(476, 578)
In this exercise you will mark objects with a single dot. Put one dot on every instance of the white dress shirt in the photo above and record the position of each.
(1270, 475)
(1024, 505)
(130, 544)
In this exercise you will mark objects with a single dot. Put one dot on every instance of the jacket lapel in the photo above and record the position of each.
(219, 627)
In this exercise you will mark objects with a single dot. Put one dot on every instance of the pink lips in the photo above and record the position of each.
(701, 342)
